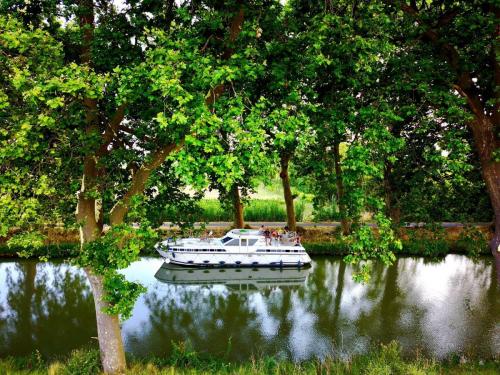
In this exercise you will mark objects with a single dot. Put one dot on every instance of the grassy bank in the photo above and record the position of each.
(385, 360)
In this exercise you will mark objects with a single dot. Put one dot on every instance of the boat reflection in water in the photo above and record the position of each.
(235, 279)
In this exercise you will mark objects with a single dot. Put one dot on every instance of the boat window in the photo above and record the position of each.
(225, 239)
(212, 250)
(252, 241)
(243, 242)
(234, 242)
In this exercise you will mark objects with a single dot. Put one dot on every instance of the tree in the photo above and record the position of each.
(464, 36)
(91, 116)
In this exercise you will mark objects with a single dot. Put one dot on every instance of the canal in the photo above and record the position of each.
(436, 308)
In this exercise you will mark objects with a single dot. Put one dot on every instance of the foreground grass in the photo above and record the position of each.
(385, 360)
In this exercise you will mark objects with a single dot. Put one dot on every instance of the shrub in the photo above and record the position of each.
(472, 241)
(84, 362)
(428, 241)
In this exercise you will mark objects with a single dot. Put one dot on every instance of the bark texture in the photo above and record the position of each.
(287, 191)
(239, 222)
(108, 329)
(345, 223)
(390, 207)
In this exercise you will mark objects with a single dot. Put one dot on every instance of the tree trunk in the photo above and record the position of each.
(344, 221)
(287, 191)
(391, 210)
(238, 208)
(108, 329)
(486, 143)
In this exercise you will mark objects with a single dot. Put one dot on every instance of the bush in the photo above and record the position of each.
(84, 362)
(429, 241)
(472, 242)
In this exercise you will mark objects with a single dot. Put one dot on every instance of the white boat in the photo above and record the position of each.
(238, 248)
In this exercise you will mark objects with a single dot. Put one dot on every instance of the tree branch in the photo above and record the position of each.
(131, 131)
(139, 181)
(464, 79)
(234, 31)
(111, 130)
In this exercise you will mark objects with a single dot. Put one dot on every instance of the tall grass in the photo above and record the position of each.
(255, 210)
(326, 213)
(387, 359)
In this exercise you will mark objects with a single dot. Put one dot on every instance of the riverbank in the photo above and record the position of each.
(385, 360)
(428, 249)
(436, 241)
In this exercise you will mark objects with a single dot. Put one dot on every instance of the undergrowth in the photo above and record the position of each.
(386, 359)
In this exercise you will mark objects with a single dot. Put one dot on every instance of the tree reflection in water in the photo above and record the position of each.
(435, 307)
(439, 308)
(47, 306)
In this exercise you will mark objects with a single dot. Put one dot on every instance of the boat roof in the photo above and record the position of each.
(246, 233)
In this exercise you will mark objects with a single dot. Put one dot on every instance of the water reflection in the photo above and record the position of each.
(240, 280)
(437, 308)
(44, 306)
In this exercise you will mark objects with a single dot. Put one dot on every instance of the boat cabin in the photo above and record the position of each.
(241, 237)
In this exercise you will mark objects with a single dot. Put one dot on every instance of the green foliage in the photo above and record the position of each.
(326, 212)
(429, 241)
(62, 250)
(349, 91)
(115, 250)
(28, 242)
(120, 294)
(472, 241)
(82, 361)
(365, 243)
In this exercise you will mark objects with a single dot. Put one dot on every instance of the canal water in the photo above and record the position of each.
(436, 308)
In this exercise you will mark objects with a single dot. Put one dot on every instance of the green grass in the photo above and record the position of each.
(386, 359)
(255, 210)
(326, 213)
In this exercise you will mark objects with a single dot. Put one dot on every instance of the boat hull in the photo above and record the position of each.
(236, 259)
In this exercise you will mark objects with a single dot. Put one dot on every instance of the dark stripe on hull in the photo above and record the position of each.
(234, 265)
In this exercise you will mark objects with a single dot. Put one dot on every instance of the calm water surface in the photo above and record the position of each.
(438, 308)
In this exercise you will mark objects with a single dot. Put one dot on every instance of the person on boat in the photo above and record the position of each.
(206, 235)
(267, 236)
(262, 230)
(274, 235)
(297, 239)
